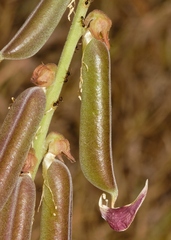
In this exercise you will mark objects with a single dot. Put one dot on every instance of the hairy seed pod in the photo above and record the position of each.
(16, 217)
(36, 30)
(7, 215)
(25, 208)
(16, 135)
(95, 133)
(57, 202)
(95, 119)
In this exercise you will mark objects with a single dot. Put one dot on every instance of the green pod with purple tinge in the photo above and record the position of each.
(16, 135)
(95, 116)
(57, 203)
(36, 30)
(16, 217)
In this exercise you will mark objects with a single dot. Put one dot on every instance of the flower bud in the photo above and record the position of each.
(44, 75)
(99, 25)
(57, 144)
(30, 161)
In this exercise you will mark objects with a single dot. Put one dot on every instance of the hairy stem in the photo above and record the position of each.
(53, 91)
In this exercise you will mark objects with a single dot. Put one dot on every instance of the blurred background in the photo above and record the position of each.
(140, 41)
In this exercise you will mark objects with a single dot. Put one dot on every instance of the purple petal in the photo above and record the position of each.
(121, 218)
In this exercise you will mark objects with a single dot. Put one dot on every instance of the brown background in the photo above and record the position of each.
(141, 94)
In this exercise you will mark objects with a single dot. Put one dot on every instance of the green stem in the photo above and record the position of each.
(53, 91)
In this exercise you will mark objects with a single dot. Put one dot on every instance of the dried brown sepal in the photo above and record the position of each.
(57, 144)
(30, 161)
(44, 75)
(99, 25)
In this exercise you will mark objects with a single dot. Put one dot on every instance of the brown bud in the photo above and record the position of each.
(30, 161)
(99, 25)
(58, 145)
(44, 75)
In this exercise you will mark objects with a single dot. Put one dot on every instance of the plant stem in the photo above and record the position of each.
(53, 92)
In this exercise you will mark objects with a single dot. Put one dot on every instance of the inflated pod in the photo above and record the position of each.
(16, 135)
(16, 217)
(36, 30)
(95, 116)
(95, 133)
(57, 203)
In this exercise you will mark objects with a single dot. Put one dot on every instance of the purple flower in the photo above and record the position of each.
(120, 218)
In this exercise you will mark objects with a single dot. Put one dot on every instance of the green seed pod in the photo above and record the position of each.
(95, 133)
(95, 119)
(57, 202)
(16, 135)
(36, 30)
